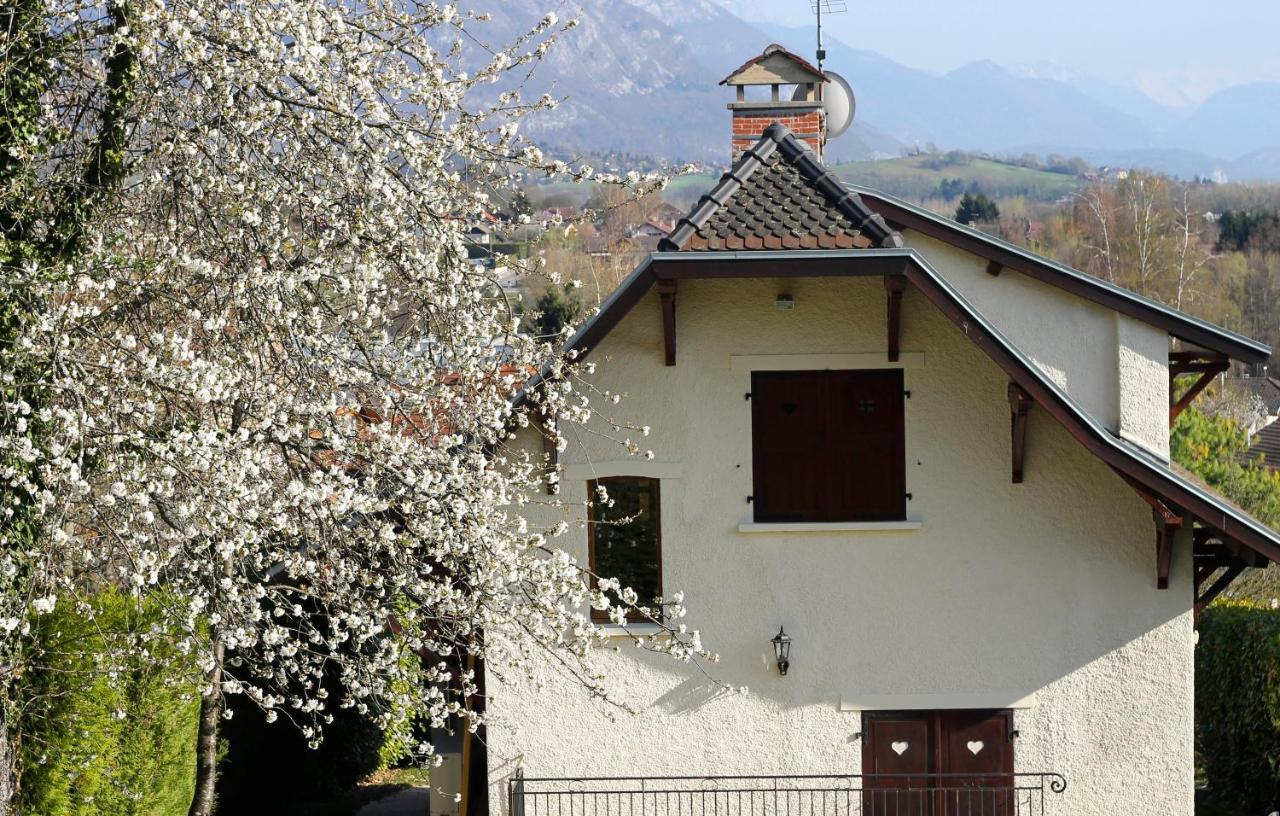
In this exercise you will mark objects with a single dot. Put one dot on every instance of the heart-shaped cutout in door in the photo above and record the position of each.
(976, 746)
(900, 747)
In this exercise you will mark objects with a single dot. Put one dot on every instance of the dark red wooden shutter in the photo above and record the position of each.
(788, 422)
(865, 450)
(828, 446)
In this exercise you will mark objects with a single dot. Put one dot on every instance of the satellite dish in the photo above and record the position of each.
(837, 101)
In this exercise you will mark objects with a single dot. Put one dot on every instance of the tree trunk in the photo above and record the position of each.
(8, 764)
(211, 705)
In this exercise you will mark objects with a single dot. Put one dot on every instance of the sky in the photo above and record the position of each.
(1177, 51)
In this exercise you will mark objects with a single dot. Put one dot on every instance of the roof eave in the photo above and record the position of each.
(1179, 324)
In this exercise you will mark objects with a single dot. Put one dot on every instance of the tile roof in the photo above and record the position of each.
(769, 52)
(778, 195)
(1266, 389)
(1266, 444)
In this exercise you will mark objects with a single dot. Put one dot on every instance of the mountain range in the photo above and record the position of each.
(642, 76)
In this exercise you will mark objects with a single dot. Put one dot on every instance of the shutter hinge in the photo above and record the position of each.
(907, 393)
(910, 497)
(747, 395)
(750, 499)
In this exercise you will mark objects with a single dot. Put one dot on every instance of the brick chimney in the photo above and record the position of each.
(794, 98)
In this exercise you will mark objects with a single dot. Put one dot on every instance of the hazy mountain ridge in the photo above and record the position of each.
(642, 76)
(984, 106)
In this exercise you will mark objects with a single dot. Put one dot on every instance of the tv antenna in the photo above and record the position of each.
(819, 8)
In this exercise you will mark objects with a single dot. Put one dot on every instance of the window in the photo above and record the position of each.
(828, 446)
(625, 540)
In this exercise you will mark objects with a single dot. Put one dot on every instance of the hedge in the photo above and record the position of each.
(107, 739)
(1238, 706)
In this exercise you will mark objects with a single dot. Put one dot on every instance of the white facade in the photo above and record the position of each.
(1039, 596)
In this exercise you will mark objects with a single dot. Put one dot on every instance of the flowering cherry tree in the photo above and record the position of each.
(249, 369)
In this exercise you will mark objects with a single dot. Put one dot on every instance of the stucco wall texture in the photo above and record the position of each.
(1043, 590)
(1116, 367)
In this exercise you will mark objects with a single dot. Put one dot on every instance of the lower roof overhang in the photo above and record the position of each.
(1131, 461)
(1003, 255)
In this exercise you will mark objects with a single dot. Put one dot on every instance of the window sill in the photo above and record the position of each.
(832, 527)
(637, 629)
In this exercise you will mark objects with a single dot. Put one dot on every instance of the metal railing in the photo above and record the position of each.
(1021, 794)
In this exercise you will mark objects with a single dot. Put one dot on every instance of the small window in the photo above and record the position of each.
(828, 446)
(625, 539)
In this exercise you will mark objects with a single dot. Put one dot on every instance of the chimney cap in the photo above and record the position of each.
(775, 66)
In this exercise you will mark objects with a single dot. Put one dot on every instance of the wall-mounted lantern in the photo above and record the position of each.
(782, 651)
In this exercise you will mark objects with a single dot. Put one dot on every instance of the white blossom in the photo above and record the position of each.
(274, 396)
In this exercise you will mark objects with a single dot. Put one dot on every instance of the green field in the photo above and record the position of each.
(921, 177)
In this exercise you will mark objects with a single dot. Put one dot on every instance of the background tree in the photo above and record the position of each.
(521, 205)
(977, 209)
(1213, 447)
(554, 312)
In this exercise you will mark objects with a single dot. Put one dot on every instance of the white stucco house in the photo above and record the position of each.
(940, 462)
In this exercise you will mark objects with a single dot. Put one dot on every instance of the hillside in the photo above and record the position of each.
(920, 177)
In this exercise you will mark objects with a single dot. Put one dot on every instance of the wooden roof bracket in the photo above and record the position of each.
(667, 296)
(894, 286)
(994, 268)
(1164, 549)
(551, 453)
(1167, 523)
(1020, 404)
(1206, 364)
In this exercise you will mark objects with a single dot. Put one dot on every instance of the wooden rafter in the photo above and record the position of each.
(1210, 544)
(995, 268)
(1205, 364)
(1020, 404)
(667, 295)
(1162, 512)
(895, 285)
(1221, 559)
(1215, 589)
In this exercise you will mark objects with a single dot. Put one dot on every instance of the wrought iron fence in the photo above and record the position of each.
(1022, 794)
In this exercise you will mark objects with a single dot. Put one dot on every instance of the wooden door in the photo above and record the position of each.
(898, 759)
(978, 757)
(938, 763)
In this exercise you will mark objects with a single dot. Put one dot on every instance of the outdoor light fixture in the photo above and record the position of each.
(784, 303)
(782, 651)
